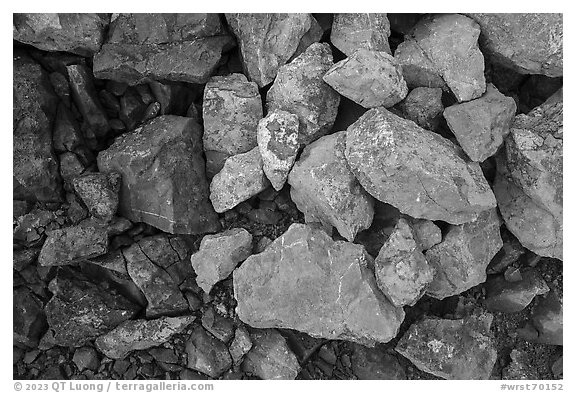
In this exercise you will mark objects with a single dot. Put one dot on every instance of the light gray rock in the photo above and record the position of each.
(351, 32)
(240, 345)
(426, 233)
(270, 357)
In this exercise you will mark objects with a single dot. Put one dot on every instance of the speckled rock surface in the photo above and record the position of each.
(72, 244)
(351, 32)
(270, 357)
(506, 296)
(207, 354)
(99, 192)
(423, 105)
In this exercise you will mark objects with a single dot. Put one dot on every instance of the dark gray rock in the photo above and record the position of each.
(375, 364)
(29, 320)
(505, 296)
(270, 357)
(99, 192)
(240, 345)
(86, 358)
(351, 32)
(220, 327)
(73, 244)
(546, 325)
(207, 354)
(423, 105)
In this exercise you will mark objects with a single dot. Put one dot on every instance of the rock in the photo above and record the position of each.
(207, 354)
(240, 345)
(520, 367)
(368, 78)
(326, 191)
(423, 105)
(444, 48)
(99, 192)
(113, 260)
(351, 32)
(527, 43)
(73, 244)
(402, 272)
(231, 110)
(481, 125)
(186, 61)
(267, 41)
(80, 310)
(546, 324)
(164, 355)
(35, 167)
(132, 109)
(307, 282)
(313, 35)
(504, 296)
(426, 233)
(220, 327)
(299, 89)
(29, 228)
(528, 184)
(163, 176)
(86, 358)
(162, 293)
(277, 139)
(375, 364)
(218, 256)
(451, 349)
(557, 367)
(29, 320)
(435, 183)
(66, 135)
(241, 178)
(463, 255)
(140, 334)
(81, 34)
(270, 358)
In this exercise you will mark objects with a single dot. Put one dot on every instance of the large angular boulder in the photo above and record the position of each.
(163, 176)
(326, 191)
(270, 357)
(307, 282)
(70, 245)
(416, 170)
(351, 32)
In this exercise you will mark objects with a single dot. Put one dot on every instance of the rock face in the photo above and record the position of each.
(451, 349)
(99, 192)
(463, 255)
(278, 143)
(481, 125)
(402, 272)
(35, 173)
(547, 320)
(299, 89)
(81, 34)
(163, 176)
(218, 256)
(375, 364)
(267, 41)
(417, 171)
(351, 32)
(423, 105)
(368, 78)
(241, 178)
(29, 318)
(527, 43)
(529, 185)
(326, 191)
(270, 357)
(140, 334)
(73, 244)
(307, 282)
(207, 354)
(426, 233)
(444, 48)
(504, 296)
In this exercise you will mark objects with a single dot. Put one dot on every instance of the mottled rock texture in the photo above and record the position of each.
(99, 192)
(506, 296)
(270, 357)
(351, 32)
(72, 244)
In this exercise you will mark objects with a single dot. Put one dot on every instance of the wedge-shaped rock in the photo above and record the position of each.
(527, 43)
(529, 184)
(140, 334)
(402, 272)
(326, 191)
(163, 176)
(267, 41)
(451, 349)
(463, 255)
(423, 105)
(504, 296)
(351, 32)
(207, 354)
(417, 171)
(218, 256)
(29, 320)
(481, 125)
(73, 244)
(368, 78)
(241, 177)
(444, 47)
(278, 144)
(426, 233)
(82, 34)
(270, 356)
(307, 282)
(299, 89)
(546, 325)
(99, 192)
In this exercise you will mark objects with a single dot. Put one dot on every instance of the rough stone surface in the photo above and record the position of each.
(326, 191)
(29, 318)
(241, 178)
(402, 272)
(81, 34)
(444, 47)
(546, 324)
(351, 32)
(463, 255)
(217, 325)
(451, 349)
(207, 354)
(278, 143)
(417, 171)
(527, 43)
(529, 185)
(218, 256)
(423, 105)
(267, 41)
(163, 176)
(270, 358)
(307, 282)
(140, 334)
(505, 296)
(299, 89)
(426, 233)
(368, 78)
(481, 125)
(72, 244)
(375, 364)
(240, 345)
(86, 358)
(99, 192)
